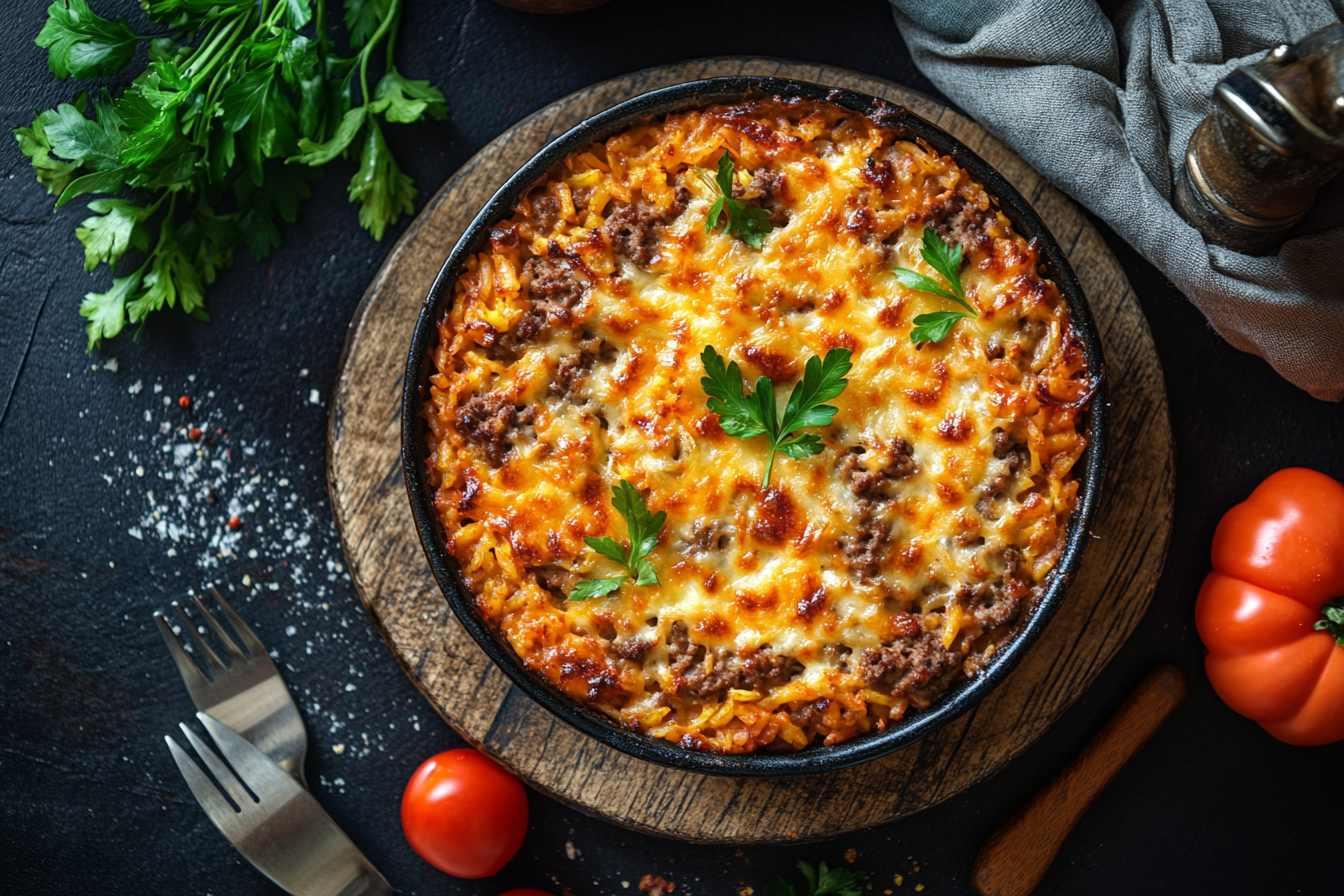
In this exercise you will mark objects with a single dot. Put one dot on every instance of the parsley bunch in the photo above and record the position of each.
(217, 138)
(747, 223)
(946, 260)
(746, 416)
(643, 529)
(823, 881)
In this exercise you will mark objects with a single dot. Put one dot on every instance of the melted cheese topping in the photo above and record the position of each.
(865, 578)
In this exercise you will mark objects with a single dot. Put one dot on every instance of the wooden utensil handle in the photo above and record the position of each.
(1017, 855)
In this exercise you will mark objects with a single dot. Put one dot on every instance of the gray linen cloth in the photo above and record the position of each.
(1103, 107)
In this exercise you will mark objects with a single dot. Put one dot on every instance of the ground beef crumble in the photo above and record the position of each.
(907, 663)
(492, 421)
(758, 670)
(633, 228)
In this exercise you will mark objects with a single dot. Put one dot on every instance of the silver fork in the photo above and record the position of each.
(278, 827)
(247, 694)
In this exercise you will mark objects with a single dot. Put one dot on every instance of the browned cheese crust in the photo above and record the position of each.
(865, 579)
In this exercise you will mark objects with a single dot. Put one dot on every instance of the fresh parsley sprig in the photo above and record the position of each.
(218, 137)
(643, 529)
(946, 260)
(746, 416)
(748, 223)
(823, 881)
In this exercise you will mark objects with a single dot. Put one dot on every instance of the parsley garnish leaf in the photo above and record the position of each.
(945, 259)
(745, 416)
(643, 528)
(84, 44)
(823, 881)
(596, 588)
(748, 223)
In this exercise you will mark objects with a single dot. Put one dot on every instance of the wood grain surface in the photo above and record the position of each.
(393, 579)
(1015, 857)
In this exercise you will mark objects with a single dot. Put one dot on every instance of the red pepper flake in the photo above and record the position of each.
(235, 523)
(194, 433)
(184, 401)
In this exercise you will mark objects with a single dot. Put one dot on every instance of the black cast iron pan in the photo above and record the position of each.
(957, 699)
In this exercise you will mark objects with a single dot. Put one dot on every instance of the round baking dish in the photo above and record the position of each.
(957, 699)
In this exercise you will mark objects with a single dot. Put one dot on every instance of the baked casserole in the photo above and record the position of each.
(796, 598)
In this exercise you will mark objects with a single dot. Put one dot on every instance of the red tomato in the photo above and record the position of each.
(1278, 559)
(464, 814)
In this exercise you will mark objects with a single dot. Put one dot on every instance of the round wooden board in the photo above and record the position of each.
(393, 579)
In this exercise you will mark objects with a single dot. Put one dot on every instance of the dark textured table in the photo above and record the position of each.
(89, 798)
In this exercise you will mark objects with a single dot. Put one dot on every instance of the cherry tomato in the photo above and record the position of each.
(464, 814)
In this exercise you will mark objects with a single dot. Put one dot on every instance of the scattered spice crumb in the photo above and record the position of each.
(235, 523)
(570, 851)
(625, 885)
(851, 855)
(745, 891)
(655, 886)
(184, 402)
(194, 434)
(886, 893)
(900, 881)
(338, 749)
(918, 887)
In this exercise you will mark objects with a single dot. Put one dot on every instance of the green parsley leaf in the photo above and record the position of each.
(116, 227)
(745, 416)
(362, 18)
(934, 326)
(106, 311)
(643, 529)
(53, 173)
(945, 259)
(596, 588)
(322, 153)
(823, 881)
(748, 223)
(83, 44)
(408, 100)
(298, 13)
(383, 191)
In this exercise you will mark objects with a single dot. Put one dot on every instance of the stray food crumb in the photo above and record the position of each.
(338, 749)
(570, 851)
(793, 834)
(900, 881)
(851, 854)
(625, 885)
(655, 886)
(886, 893)
(184, 401)
(745, 891)
(918, 887)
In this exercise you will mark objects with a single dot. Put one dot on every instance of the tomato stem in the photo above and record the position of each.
(1332, 620)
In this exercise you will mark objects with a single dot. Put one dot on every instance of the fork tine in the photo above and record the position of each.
(217, 768)
(250, 641)
(218, 629)
(216, 665)
(186, 666)
(253, 766)
(212, 801)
